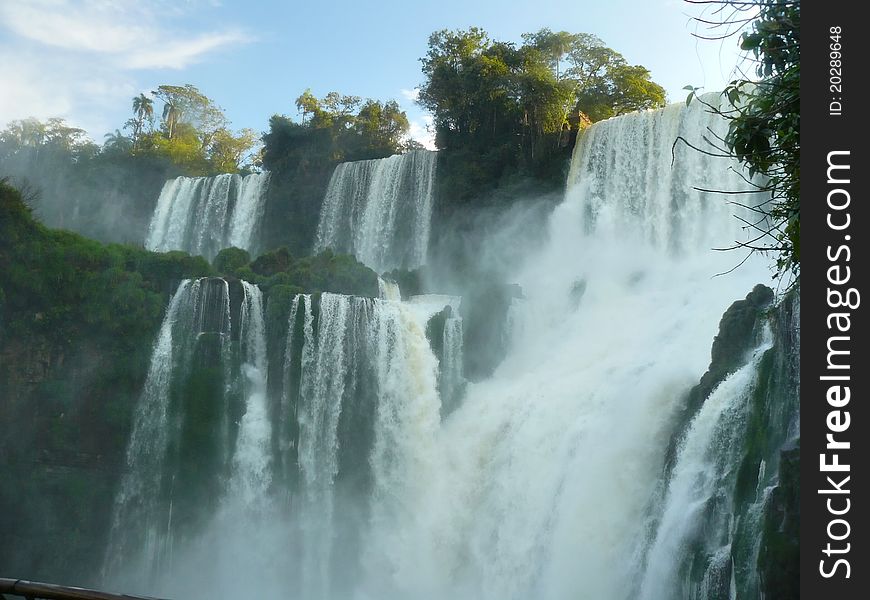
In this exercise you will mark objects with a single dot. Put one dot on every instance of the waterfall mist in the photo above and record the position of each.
(359, 464)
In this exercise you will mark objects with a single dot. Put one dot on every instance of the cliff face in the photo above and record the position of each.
(66, 412)
(77, 320)
(77, 323)
(747, 539)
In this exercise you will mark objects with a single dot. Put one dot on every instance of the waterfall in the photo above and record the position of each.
(371, 480)
(358, 376)
(711, 447)
(203, 215)
(540, 482)
(452, 381)
(197, 324)
(252, 461)
(380, 210)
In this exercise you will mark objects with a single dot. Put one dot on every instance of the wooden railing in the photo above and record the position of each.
(31, 590)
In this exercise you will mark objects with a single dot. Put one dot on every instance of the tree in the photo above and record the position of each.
(764, 123)
(379, 127)
(228, 151)
(143, 112)
(171, 117)
(554, 46)
(118, 142)
(487, 92)
(457, 85)
(186, 104)
(334, 128)
(25, 132)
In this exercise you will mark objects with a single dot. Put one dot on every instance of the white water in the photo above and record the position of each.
(380, 210)
(538, 484)
(203, 215)
(697, 476)
(252, 460)
(197, 306)
(452, 380)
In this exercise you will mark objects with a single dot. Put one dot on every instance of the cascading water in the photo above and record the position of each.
(541, 482)
(358, 375)
(452, 382)
(541, 479)
(252, 469)
(196, 328)
(712, 444)
(203, 215)
(380, 210)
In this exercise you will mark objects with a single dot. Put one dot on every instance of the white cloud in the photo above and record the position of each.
(423, 131)
(86, 95)
(77, 58)
(179, 54)
(411, 94)
(88, 25)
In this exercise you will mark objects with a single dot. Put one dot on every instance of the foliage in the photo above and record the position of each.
(334, 128)
(229, 260)
(324, 272)
(143, 112)
(302, 155)
(194, 131)
(77, 321)
(508, 110)
(54, 135)
(764, 129)
(56, 282)
(484, 91)
(193, 134)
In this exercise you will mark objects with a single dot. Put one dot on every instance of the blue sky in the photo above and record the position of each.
(84, 59)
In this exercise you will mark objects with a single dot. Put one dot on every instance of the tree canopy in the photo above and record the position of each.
(505, 111)
(193, 133)
(335, 128)
(486, 92)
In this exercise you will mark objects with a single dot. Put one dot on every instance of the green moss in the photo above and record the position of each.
(230, 260)
(779, 555)
(324, 272)
(77, 324)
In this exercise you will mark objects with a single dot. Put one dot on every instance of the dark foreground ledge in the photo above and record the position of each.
(48, 591)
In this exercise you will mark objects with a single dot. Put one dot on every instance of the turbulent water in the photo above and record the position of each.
(203, 215)
(363, 467)
(380, 210)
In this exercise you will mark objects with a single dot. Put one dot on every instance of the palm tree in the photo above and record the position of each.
(171, 117)
(143, 109)
(118, 141)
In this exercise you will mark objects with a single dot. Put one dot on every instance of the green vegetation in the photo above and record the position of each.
(56, 283)
(334, 128)
(192, 134)
(324, 272)
(503, 112)
(302, 156)
(764, 131)
(77, 324)
(77, 320)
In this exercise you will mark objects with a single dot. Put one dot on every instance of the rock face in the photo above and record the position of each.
(738, 331)
(78, 320)
(61, 454)
(747, 537)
